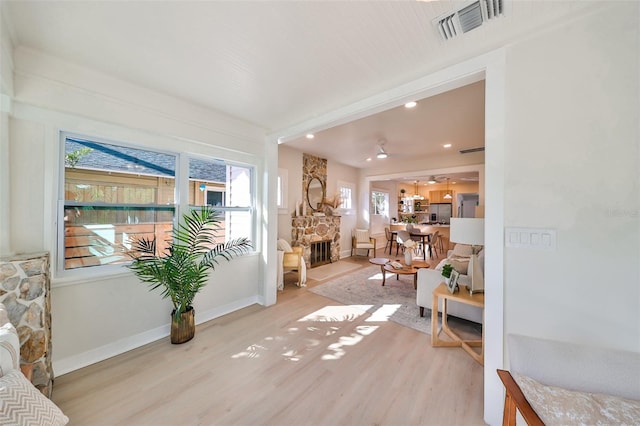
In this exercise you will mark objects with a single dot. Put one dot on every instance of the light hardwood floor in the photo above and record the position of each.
(281, 365)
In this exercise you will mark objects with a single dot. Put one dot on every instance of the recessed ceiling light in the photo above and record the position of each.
(369, 159)
(410, 104)
(446, 145)
(310, 136)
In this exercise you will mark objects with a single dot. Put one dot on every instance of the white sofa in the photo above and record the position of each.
(561, 383)
(21, 403)
(429, 279)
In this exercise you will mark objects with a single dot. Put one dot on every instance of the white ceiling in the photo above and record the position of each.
(455, 117)
(278, 64)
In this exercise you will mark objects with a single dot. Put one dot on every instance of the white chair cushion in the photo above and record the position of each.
(362, 236)
(559, 406)
(284, 246)
(9, 349)
(364, 245)
(23, 404)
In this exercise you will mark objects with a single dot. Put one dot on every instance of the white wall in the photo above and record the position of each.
(379, 222)
(291, 159)
(572, 164)
(95, 317)
(562, 152)
(339, 172)
(6, 93)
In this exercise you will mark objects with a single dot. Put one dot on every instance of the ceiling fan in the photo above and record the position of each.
(437, 179)
(381, 154)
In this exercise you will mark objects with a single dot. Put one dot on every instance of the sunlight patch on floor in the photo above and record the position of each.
(378, 276)
(338, 349)
(325, 320)
(337, 313)
(383, 313)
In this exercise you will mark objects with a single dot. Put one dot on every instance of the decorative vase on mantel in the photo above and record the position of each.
(408, 257)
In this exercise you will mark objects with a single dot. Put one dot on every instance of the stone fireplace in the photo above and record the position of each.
(306, 230)
(316, 231)
(24, 290)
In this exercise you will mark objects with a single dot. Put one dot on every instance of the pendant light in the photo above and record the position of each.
(447, 196)
(417, 196)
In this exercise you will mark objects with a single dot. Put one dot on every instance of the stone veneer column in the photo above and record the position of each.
(25, 291)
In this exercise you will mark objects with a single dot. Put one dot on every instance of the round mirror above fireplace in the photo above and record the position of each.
(315, 194)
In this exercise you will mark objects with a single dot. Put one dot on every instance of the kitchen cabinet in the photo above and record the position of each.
(438, 196)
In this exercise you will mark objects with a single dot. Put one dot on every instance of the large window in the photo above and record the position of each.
(380, 203)
(112, 193)
(282, 187)
(347, 192)
(229, 189)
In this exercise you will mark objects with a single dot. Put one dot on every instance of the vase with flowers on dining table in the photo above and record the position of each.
(409, 246)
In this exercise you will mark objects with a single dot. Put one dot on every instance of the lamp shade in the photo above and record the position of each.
(465, 230)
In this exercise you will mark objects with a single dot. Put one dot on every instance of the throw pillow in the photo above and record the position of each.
(9, 349)
(21, 403)
(461, 266)
(284, 246)
(462, 250)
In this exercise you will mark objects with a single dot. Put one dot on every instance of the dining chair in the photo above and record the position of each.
(413, 230)
(435, 244)
(390, 239)
(400, 239)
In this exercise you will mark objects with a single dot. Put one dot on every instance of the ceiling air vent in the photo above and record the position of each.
(470, 150)
(468, 18)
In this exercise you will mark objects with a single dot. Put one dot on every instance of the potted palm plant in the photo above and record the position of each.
(181, 271)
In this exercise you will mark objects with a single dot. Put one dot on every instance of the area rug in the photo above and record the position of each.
(330, 270)
(364, 287)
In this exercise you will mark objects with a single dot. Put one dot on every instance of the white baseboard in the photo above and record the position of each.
(75, 362)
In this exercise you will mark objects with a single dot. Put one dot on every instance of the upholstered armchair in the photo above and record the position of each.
(360, 239)
(292, 260)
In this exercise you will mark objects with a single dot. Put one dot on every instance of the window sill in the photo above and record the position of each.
(91, 275)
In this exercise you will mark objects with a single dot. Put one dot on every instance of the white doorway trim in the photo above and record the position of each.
(491, 67)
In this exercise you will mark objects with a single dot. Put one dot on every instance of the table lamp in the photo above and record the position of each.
(470, 231)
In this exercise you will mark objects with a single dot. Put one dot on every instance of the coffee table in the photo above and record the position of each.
(407, 270)
(380, 261)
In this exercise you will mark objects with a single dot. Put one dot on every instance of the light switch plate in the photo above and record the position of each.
(533, 238)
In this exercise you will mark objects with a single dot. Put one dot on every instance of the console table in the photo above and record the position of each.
(461, 296)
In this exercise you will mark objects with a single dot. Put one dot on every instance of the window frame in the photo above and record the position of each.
(346, 211)
(180, 203)
(282, 188)
(251, 208)
(387, 197)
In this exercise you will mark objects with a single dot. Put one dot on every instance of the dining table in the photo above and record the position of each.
(425, 239)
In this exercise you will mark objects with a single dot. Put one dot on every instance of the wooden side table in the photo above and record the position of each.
(462, 296)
